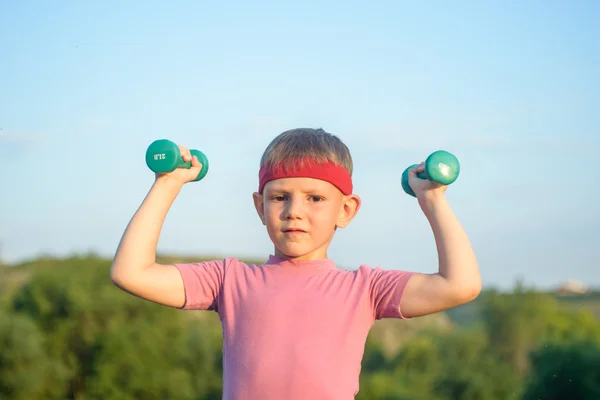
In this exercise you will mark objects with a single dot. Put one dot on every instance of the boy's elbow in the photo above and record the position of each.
(117, 277)
(127, 277)
(469, 292)
(463, 291)
(474, 292)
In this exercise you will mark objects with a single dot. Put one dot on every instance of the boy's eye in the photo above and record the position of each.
(281, 197)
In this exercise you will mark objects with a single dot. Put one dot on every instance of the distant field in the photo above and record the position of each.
(469, 313)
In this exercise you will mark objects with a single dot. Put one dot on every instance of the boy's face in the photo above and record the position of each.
(301, 215)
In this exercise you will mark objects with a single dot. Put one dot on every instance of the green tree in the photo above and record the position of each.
(565, 371)
(143, 361)
(441, 366)
(515, 324)
(560, 327)
(409, 375)
(469, 371)
(26, 371)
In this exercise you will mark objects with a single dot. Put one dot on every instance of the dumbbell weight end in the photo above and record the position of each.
(203, 161)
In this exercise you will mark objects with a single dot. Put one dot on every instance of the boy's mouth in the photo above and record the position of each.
(293, 230)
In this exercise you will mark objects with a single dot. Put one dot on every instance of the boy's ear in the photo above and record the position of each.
(259, 205)
(350, 206)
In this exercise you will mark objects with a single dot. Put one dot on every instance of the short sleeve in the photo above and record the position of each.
(202, 283)
(386, 290)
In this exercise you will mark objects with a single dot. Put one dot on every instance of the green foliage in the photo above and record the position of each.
(440, 366)
(26, 370)
(565, 371)
(141, 361)
(515, 324)
(518, 323)
(470, 371)
(559, 328)
(114, 345)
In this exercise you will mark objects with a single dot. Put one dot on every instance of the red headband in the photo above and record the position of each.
(337, 175)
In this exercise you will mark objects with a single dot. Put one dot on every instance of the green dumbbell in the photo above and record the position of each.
(163, 156)
(441, 167)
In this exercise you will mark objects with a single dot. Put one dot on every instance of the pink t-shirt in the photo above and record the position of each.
(292, 330)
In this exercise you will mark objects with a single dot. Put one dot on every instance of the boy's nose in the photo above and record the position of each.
(293, 209)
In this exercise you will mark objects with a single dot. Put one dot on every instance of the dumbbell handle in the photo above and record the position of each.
(422, 175)
(201, 159)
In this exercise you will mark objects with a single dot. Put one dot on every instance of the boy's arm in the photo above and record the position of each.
(134, 268)
(458, 280)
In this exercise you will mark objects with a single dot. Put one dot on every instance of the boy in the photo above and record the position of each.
(295, 327)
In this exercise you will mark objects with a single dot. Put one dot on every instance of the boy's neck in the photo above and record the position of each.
(304, 263)
(313, 256)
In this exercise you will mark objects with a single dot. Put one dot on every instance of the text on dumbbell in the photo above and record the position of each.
(159, 156)
(444, 169)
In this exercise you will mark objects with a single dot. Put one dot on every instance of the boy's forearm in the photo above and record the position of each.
(137, 248)
(457, 261)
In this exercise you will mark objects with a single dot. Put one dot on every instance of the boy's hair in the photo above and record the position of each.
(307, 144)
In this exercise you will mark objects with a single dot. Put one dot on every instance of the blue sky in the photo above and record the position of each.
(511, 88)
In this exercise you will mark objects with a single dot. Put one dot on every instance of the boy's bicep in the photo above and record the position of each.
(428, 294)
(162, 284)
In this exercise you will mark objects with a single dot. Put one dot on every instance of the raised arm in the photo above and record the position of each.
(458, 279)
(134, 268)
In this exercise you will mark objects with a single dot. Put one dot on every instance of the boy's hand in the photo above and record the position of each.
(424, 189)
(183, 175)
